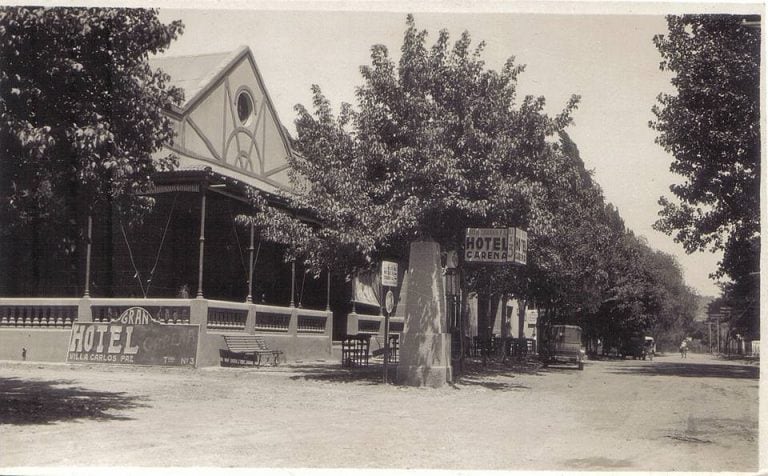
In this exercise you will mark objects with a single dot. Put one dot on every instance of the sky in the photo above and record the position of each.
(608, 59)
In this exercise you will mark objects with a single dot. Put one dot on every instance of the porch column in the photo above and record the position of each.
(293, 282)
(249, 298)
(203, 188)
(328, 292)
(88, 257)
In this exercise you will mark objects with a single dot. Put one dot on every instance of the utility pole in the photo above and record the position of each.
(725, 311)
(714, 316)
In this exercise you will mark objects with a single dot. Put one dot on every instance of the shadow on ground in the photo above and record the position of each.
(471, 381)
(370, 375)
(40, 402)
(475, 374)
(684, 369)
(597, 463)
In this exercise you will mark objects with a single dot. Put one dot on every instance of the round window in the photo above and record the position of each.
(244, 106)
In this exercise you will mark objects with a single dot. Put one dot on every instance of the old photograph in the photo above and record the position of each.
(392, 236)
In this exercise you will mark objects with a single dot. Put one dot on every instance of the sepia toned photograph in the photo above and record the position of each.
(318, 236)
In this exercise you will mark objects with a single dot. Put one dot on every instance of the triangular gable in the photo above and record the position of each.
(220, 128)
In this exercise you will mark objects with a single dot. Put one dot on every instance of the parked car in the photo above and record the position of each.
(649, 349)
(562, 343)
(634, 347)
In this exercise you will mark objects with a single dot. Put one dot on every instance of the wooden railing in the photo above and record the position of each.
(40, 313)
(311, 322)
(272, 320)
(225, 315)
(210, 314)
(169, 313)
(372, 324)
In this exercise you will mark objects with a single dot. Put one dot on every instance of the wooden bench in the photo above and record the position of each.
(245, 349)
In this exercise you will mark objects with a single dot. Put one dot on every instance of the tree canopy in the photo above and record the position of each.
(80, 117)
(712, 128)
(438, 143)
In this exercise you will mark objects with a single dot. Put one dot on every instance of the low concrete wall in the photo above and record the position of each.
(43, 345)
(306, 334)
(371, 324)
(294, 347)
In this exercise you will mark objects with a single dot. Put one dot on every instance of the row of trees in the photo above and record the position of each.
(438, 143)
(711, 125)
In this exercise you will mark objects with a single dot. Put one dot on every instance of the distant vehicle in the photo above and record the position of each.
(634, 347)
(562, 343)
(649, 347)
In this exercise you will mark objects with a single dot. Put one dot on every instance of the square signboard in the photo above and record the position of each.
(496, 245)
(487, 245)
(389, 274)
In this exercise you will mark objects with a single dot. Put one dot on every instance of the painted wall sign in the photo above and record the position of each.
(389, 273)
(134, 337)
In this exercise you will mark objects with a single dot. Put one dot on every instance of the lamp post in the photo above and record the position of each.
(452, 291)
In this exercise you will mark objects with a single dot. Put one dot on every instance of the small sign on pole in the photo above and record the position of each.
(389, 305)
(389, 302)
(389, 273)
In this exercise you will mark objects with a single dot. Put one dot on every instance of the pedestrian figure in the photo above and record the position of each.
(683, 349)
(184, 291)
(647, 352)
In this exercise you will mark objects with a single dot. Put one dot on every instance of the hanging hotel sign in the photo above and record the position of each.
(134, 337)
(496, 245)
(520, 245)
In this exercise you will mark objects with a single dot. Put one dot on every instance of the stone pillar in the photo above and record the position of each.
(84, 313)
(425, 349)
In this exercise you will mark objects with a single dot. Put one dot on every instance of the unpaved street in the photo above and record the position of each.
(698, 414)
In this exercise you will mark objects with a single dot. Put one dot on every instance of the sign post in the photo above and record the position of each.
(388, 279)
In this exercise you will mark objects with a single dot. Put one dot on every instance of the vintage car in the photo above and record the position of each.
(649, 348)
(634, 347)
(562, 343)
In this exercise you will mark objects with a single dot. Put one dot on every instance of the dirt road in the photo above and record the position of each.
(697, 414)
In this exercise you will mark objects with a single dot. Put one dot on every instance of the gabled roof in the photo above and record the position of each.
(192, 73)
(196, 74)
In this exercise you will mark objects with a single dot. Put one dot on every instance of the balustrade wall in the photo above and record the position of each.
(38, 329)
(38, 313)
(372, 324)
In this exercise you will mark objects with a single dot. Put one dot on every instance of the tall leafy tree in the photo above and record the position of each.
(80, 119)
(437, 143)
(712, 128)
